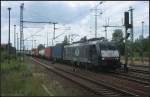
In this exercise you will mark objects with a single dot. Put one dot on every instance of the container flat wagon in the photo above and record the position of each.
(57, 52)
(48, 53)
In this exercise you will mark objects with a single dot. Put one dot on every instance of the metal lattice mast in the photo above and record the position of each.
(96, 22)
(21, 30)
(54, 32)
(96, 9)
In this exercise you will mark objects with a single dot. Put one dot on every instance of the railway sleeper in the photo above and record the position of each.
(109, 93)
(66, 73)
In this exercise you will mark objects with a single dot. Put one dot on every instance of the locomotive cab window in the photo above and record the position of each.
(107, 47)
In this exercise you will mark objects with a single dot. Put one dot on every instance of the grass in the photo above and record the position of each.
(27, 79)
(17, 80)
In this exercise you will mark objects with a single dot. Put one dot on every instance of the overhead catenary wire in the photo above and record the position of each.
(35, 33)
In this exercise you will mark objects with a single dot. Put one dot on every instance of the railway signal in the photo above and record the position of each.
(132, 34)
(126, 23)
(127, 26)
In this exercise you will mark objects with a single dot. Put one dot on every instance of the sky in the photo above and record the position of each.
(73, 17)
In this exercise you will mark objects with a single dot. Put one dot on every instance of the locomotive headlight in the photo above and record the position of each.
(103, 58)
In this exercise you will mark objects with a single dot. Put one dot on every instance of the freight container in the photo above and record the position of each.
(48, 53)
(36, 52)
(57, 52)
(41, 53)
(33, 52)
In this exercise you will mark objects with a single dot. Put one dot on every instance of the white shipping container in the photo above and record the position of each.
(41, 52)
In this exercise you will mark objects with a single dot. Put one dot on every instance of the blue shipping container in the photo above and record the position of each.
(57, 52)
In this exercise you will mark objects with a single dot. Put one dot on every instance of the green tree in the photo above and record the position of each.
(40, 47)
(117, 37)
(141, 46)
(66, 41)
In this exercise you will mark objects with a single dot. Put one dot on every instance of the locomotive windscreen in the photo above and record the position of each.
(109, 50)
(107, 47)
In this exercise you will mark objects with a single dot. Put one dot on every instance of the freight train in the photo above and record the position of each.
(92, 53)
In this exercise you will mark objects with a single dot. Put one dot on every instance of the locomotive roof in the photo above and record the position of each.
(87, 43)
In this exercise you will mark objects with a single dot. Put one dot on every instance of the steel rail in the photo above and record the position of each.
(118, 90)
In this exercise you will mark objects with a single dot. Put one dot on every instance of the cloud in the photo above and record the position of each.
(55, 11)
(74, 14)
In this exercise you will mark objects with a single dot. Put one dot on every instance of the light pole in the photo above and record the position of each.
(35, 43)
(9, 34)
(15, 36)
(15, 40)
(149, 54)
(142, 42)
(17, 46)
(33, 39)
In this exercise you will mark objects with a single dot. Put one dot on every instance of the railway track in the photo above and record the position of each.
(141, 66)
(111, 89)
(131, 90)
(89, 84)
(139, 71)
(133, 77)
(137, 75)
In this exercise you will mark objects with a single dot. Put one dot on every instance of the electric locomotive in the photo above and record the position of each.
(97, 53)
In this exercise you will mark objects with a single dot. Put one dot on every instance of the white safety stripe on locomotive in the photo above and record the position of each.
(110, 53)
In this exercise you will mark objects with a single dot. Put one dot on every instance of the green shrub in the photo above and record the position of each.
(17, 80)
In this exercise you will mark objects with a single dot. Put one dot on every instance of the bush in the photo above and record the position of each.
(17, 80)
